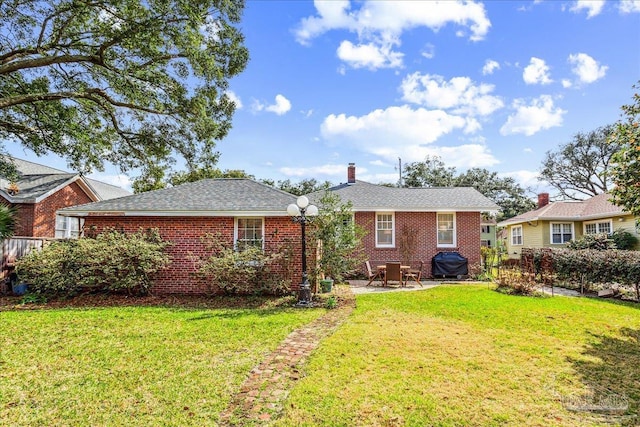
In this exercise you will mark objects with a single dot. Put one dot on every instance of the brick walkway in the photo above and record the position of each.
(262, 394)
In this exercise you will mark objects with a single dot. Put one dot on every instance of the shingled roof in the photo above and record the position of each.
(208, 197)
(583, 210)
(371, 197)
(37, 181)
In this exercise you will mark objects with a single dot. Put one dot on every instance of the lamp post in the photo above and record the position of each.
(303, 212)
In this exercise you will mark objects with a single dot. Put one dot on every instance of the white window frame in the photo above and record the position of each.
(452, 229)
(513, 235)
(597, 224)
(393, 230)
(236, 229)
(66, 231)
(562, 232)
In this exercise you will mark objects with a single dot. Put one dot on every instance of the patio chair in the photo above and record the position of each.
(373, 275)
(393, 273)
(414, 274)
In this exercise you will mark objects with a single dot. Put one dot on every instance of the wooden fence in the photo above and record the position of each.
(16, 247)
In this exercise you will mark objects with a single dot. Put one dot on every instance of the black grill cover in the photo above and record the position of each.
(449, 264)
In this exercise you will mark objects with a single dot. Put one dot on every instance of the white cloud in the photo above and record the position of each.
(566, 83)
(629, 6)
(378, 25)
(586, 68)
(593, 7)
(407, 133)
(282, 106)
(489, 67)
(323, 170)
(529, 119)
(527, 150)
(119, 180)
(369, 55)
(234, 98)
(459, 94)
(525, 178)
(429, 51)
(537, 72)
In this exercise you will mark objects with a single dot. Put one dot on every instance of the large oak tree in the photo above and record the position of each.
(581, 167)
(138, 83)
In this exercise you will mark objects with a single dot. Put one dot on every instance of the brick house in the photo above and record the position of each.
(40, 191)
(434, 219)
(242, 211)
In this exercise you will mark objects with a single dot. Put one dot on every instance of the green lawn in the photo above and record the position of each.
(469, 356)
(132, 366)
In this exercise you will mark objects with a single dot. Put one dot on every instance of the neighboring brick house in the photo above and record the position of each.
(554, 224)
(239, 210)
(438, 219)
(40, 191)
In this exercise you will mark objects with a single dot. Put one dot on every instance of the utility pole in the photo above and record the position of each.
(399, 172)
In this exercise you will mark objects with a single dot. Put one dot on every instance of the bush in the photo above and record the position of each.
(112, 261)
(247, 272)
(624, 240)
(600, 242)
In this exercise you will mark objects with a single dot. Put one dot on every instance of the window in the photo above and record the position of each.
(561, 232)
(597, 227)
(249, 232)
(385, 230)
(68, 227)
(485, 243)
(446, 229)
(516, 235)
(485, 229)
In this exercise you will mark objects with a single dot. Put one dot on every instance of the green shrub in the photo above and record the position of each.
(600, 241)
(111, 261)
(624, 240)
(246, 272)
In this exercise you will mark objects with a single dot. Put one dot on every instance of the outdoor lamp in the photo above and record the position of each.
(303, 212)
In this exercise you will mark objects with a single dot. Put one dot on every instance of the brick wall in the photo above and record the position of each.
(39, 219)
(184, 234)
(424, 226)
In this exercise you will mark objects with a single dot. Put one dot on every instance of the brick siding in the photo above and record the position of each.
(39, 219)
(184, 235)
(424, 225)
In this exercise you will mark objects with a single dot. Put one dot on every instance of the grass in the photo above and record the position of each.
(134, 366)
(465, 355)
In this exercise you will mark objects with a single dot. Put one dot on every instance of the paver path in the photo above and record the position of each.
(262, 394)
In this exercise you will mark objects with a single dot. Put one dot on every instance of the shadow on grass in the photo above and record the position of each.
(610, 371)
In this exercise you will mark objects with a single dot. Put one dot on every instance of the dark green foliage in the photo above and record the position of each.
(111, 261)
(136, 83)
(626, 170)
(588, 267)
(341, 239)
(624, 240)
(7, 221)
(245, 272)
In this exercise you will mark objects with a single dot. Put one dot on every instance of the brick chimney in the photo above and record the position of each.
(351, 173)
(543, 200)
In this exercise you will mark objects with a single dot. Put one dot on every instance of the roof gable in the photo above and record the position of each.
(595, 207)
(37, 182)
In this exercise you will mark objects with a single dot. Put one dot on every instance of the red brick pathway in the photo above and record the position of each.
(262, 394)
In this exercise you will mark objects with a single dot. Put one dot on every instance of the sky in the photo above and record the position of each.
(492, 85)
